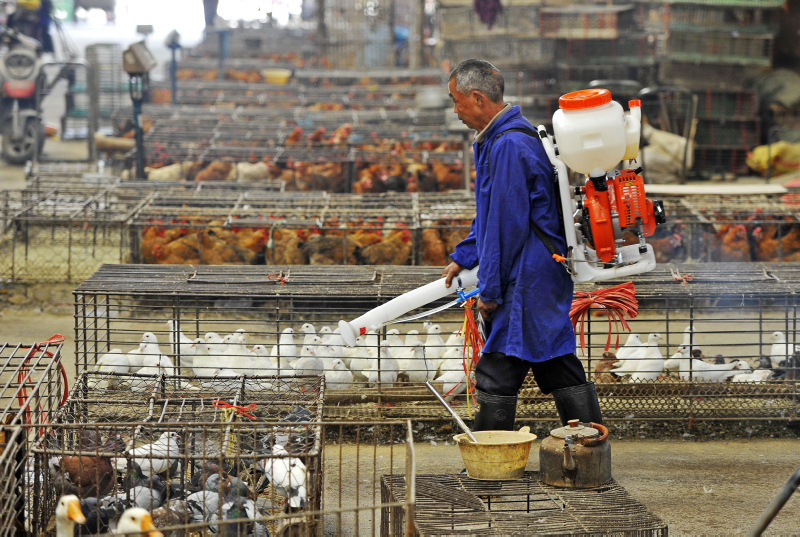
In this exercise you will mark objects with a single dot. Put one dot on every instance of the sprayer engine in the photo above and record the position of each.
(613, 204)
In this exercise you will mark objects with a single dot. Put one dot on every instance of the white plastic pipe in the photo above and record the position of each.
(375, 318)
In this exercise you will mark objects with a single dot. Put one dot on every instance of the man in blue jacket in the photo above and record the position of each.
(525, 295)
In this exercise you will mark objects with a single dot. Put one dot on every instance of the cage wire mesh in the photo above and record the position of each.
(227, 476)
(459, 505)
(31, 393)
(740, 314)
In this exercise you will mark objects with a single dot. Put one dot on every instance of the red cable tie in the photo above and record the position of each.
(277, 278)
(240, 409)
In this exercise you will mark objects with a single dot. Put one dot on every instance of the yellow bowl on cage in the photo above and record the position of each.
(276, 76)
(31, 5)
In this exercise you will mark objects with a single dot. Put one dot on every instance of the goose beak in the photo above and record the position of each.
(148, 526)
(74, 512)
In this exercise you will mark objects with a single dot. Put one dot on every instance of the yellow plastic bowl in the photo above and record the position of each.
(497, 455)
(276, 76)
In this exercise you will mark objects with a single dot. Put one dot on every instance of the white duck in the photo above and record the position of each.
(137, 521)
(68, 513)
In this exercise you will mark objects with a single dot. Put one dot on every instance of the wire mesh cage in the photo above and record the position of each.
(231, 477)
(64, 235)
(733, 316)
(32, 391)
(459, 505)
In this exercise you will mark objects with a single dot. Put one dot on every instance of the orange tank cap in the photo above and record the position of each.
(588, 98)
(634, 102)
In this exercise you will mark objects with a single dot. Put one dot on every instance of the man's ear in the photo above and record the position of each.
(479, 97)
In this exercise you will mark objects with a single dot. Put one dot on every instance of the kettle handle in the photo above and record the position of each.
(591, 442)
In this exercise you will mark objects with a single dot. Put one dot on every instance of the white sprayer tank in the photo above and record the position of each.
(593, 133)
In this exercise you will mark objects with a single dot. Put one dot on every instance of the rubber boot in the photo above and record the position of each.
(495, 412)
(578, 402)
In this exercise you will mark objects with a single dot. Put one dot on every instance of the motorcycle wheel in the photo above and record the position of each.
(21, 151)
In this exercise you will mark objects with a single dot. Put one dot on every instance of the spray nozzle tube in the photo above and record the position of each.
(375, 318)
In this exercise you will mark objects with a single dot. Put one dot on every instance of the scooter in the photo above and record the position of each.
(21, 81)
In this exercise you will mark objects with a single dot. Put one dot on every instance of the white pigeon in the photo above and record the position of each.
(674, 362)
(418, 368)
(201, 504)
(238, 356)
(111, 362)
(148, 345)
(780, 350)
(633, 361)
(264, 365)
(360, 360)
(216, 345)
(184, 345)
(387, 375)
(759, 375)
(372, 341)
(453, 383)
(394, 339)
(146, 378)
(339, 377)
(453, 340)
(204, 363)
(241, 332)
(285, 349)
(327, 355)
(309, 332)
(153, 458)
(631, 346)
(413, 339)
(434, 344)
(355, 351)
(222, 379)
(325, 333)
(309, 364)
(287, 475)
(705, 372)
(649, 363)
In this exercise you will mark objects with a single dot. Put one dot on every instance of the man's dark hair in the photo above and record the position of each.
(479, 75)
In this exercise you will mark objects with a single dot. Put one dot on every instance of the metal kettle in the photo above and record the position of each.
(576, 456)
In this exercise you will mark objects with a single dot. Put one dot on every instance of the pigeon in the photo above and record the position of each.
(154, 458)
(434, 344)
(704, 372)
(394, 339)
(204, 364)
(148, 345)
(263, 363)
(110, 364)
(387, 374)
(309, 332)
(325, 333)
(216, 344)
(99, 514)
(137, 521)
(285, 349)
(780, 350)
(339, 377)
(356, 351)
(674, 362)
(631, 346)
(643, 360)
(418, 367)
(759, 375)
(201, 504)
(237, 357)
(242, 509)
(309, 364)
(453, 379)
(287, 475)
(183, 346)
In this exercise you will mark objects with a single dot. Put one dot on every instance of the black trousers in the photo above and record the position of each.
(498, 374)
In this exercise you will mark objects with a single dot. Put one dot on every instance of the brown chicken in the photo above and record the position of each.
(454, 235)
(181, 251)
(317, 136)
(294, 137)
(395, 249)
(434, 251)
(767, 245)
(602, 371)
(86, 475)
(341, 134)
(215, 251)
(155, 236)
(328, 176)
(329, 250)
(288, 248)
(216, 171)
(251, 239)
(448, 176)
(733, 244)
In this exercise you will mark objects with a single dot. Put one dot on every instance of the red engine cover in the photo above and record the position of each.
(19, 89)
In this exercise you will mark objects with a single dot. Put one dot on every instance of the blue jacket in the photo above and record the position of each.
(516, 269)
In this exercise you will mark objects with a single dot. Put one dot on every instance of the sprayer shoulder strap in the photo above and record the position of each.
(548, 243)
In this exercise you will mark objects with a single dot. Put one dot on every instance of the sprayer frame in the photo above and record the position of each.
(581, 259)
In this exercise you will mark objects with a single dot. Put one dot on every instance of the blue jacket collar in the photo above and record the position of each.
(513, 115)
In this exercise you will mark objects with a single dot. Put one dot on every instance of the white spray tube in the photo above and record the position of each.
(375, 318)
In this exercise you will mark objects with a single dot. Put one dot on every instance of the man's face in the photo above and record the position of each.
(466, 107)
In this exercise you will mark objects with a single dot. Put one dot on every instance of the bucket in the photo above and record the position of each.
(276, 76)
(497, 455)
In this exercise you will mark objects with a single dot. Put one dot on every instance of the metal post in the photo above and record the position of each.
(173, 71)
(223, 53)
(138, 88)
(415, 37)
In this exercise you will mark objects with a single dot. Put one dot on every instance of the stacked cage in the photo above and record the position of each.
(747, 319)
(34, 387)
(106, 90)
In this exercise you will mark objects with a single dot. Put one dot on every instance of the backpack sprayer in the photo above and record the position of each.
(595, 134)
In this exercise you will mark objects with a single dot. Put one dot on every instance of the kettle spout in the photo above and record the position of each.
(569, 448)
